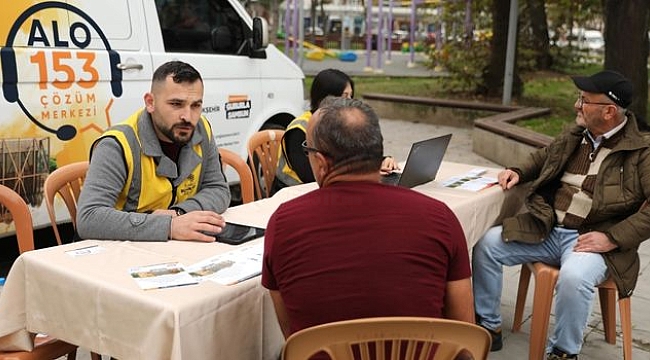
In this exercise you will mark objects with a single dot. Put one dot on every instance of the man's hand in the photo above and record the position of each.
(191, 225)
(508, 178)
(388, 165)
(594, 241)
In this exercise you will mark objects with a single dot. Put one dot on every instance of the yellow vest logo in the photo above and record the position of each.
(188, 186)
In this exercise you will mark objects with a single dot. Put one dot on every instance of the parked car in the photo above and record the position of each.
(592, 40)
(317, 30)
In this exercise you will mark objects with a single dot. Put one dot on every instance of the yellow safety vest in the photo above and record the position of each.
(160, 191)
(284, 172)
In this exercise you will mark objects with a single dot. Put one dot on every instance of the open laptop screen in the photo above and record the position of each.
(422, 163)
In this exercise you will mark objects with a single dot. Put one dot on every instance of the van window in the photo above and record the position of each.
(191, 25)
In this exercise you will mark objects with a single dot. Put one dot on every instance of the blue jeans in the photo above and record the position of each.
(580, 272)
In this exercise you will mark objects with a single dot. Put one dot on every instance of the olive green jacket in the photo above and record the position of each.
(622, 186)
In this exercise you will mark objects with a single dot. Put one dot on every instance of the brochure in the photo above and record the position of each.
(159, 276)
(231, 267)
(473, 180)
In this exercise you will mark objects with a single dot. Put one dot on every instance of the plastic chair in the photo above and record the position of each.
(263, 157)
(45, 347)
(65, 181)
(399, 337)
(229, 158)
(17, 208)
(545, 279)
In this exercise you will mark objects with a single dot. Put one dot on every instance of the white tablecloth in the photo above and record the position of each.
(93, 302)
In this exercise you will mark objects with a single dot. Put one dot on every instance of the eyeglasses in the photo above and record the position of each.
(308, 149)
(582, 102)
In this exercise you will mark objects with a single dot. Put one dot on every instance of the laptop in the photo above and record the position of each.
(422, 163)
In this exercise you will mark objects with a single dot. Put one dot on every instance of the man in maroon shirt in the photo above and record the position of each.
(357, 248)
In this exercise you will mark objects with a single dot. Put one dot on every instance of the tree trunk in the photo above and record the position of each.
(626, 48)
(537, 14)
(493, 74)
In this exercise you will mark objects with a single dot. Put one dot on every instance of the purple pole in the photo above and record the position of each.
(296, 31)
(287, 17)
(368, 32)
(439, 40)
(412, 33)
(380, 34)
(390, 30)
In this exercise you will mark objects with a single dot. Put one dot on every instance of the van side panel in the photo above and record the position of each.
(70, 69)
(60, 84)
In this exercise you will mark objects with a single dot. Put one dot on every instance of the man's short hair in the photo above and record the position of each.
(348, 133)
(181, 72)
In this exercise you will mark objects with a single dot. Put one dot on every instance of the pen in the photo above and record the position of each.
(87, 247)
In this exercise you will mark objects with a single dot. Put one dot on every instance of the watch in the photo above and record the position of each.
(179, 211)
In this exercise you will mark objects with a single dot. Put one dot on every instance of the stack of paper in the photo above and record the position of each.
(230, 267)
(159, 276)
(472, 181)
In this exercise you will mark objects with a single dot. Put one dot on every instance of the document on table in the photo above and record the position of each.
(230, 267)
(159, 276)
(472, 181)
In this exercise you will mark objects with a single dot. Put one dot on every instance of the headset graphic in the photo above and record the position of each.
(10, 70)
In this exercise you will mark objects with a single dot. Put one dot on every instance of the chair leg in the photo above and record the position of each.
(522, 291)
(95, 356)
(607, 298)
(625, 307)
(545, 281)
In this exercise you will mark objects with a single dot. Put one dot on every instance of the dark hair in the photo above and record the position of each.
(328, 82)
(182, 72)
(348, 133)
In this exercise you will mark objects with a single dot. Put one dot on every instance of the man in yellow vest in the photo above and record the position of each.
(157, 175)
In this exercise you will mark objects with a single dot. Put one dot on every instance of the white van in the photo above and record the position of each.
(72, 68)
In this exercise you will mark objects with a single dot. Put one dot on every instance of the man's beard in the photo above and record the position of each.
(178, 139)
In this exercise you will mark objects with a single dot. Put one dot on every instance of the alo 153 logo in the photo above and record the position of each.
(65, 77)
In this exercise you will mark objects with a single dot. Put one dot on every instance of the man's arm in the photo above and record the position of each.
(281, 312)
(97, 217)
(459, 301)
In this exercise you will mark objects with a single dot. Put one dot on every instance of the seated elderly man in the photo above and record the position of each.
(586, 189)
(357, 248)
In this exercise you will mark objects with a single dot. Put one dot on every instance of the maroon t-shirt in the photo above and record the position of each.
(361, 249)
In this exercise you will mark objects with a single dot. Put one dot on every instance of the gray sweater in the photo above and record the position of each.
(97, 217)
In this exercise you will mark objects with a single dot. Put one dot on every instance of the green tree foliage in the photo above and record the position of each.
(464, 48)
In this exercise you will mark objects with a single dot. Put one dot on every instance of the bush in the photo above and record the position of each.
(464, 61)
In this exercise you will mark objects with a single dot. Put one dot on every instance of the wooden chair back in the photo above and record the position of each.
(263, 150)
(66, 182)
(229, 158)
(403, 338)
(17, 210)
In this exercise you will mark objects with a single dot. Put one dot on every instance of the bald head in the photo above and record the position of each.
(347, 132)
